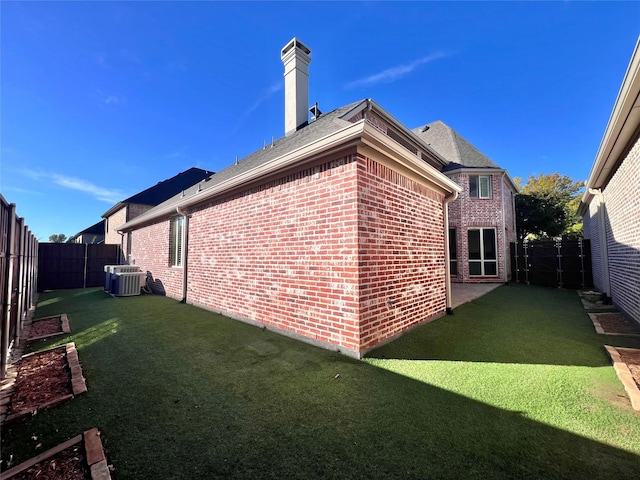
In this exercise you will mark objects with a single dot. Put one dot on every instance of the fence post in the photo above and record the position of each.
(558, 246)
(525, 246)
(84, 278)
(581, 261)
(8, 273)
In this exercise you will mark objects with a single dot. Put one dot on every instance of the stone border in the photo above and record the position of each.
(93, 454)
(600, 330)
(66, 328)
(624, 375)
(78, 385)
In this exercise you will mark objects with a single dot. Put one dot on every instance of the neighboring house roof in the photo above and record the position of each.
(163, 190)
(97, 229)
(287, 150)
(453, 146)
(621, 132)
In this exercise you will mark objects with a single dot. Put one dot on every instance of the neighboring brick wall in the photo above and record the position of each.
(467, 212)
(318, 253)
(402, 261)
(135, 210)
(622, 203)
(116, 220)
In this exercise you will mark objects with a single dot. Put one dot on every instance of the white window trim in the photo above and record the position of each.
(176, 242)
(489, 181)
(482, 261)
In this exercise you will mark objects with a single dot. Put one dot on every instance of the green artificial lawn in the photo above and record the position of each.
(515, 385)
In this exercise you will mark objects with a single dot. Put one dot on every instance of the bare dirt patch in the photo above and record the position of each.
(632, 358)
(42, 377)
(614, 323)
(69, 464)
(49, 326)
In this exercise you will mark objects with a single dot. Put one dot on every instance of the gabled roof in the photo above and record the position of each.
(96, 229)
(163, 190)
(453, 147)
(327, 131)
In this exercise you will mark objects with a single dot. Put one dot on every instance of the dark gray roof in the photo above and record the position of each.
(163, 190)
(453, 147)
(326, 124)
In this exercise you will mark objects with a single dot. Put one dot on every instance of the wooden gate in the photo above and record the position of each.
(559, 264)
(74, 265)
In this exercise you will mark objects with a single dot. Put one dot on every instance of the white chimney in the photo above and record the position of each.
(296, 58)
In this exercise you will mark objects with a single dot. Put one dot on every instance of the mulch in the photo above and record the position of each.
(69, 464)
(616, 323)
(632, 358)
(42, 378)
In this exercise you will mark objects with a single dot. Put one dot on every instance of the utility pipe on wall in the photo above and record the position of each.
(447, 264)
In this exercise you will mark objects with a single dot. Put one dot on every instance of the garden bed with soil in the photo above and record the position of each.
(81, 458)
(614, 323)
(43, 379)
(48, 327)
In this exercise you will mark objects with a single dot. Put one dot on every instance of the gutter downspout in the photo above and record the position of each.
(186, 254)
(604, 254)
(504, 232)
(447, 267)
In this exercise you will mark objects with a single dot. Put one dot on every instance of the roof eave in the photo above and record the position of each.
(349, 135)
(621, 129)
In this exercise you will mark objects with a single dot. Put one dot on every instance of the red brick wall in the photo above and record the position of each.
(402, 262)
(150, 250)
(467, 212)
(347, 253)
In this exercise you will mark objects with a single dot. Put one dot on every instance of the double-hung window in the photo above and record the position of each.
(176, 241)
(483, 259)
(480, 186)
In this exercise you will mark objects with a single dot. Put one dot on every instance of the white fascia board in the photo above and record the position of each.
(337, 139)
(349, 135)
(400, 155)
(622, 125)
(485, 171)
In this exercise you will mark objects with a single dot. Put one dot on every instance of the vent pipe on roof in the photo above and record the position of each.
(296, 58)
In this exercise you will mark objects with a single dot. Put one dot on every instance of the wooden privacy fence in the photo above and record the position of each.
(74, 265)
(18, 276)
(559, 263)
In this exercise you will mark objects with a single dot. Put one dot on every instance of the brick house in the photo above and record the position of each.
(91, 235)
(141, 202)
(335, 233)
(610, 206)
(482, 219)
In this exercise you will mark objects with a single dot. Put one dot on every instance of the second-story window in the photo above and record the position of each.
(480, 186)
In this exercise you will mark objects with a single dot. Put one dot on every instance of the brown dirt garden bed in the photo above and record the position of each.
(626, 363)
(81, 458)
(48, 327)
(42, 379)
(614, 323)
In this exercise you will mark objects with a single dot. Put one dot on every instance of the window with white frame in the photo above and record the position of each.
(480, 186)
(483, 259)
(176, 241)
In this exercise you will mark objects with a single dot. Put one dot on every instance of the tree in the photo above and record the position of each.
(547, 206)
(58, 238)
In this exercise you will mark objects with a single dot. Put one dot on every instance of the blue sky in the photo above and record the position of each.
(101, 100)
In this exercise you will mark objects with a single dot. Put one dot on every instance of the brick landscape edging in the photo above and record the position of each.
(78, 382)
(624, 375)
(600, 330)
(94, 455)
(66, 328)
